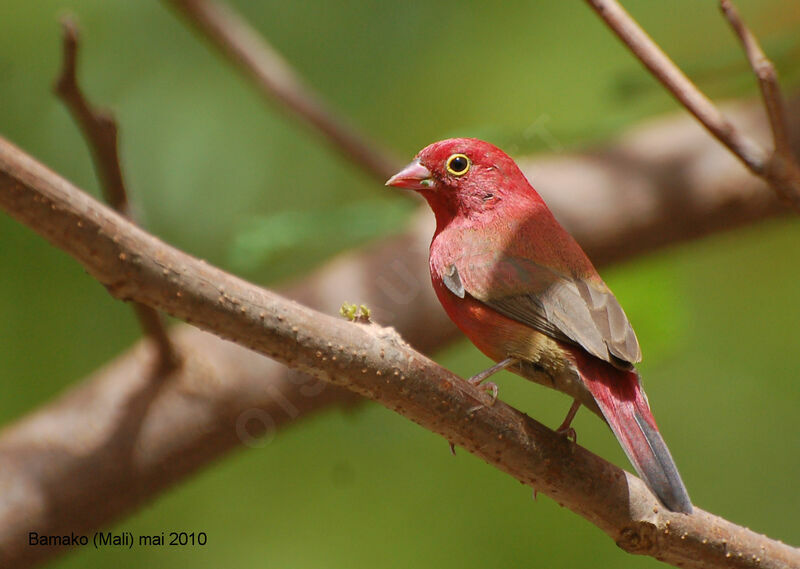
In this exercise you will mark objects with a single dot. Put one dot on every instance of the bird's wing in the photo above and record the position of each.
(563, 307)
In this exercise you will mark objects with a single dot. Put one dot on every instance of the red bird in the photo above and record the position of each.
(522, 289)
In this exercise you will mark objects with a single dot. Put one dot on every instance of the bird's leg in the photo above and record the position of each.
(478, 378)
(565, 428)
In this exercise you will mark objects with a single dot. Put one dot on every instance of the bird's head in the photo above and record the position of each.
(464, 177)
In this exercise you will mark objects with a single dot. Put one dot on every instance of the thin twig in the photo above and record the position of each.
(765, 73)
(783, 164)
(373, 362)
(248, 50)
(663, 68)
(757, 159)
(98, 126)
(100, 130)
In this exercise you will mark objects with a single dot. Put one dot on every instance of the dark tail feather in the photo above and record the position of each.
(624, 406)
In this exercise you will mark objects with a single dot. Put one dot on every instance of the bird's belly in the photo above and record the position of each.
(542, 359)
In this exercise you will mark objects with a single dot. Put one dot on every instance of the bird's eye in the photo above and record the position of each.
(458, 164)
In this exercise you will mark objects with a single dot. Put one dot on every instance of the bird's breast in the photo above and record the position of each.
(496, 335)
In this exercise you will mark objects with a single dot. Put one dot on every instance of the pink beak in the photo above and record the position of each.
(415, 176)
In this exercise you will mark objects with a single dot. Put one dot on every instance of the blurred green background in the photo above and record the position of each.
(215, 171)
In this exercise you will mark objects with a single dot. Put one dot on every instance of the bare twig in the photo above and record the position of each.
(99, 127)
(662, 183)
(253, 54)
(374, 362)
(249, 51)
(783, 164)
(786, 179)
(663, 68)
(100, 130)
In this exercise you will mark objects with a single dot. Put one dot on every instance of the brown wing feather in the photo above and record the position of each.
(592, 318)
(564, 308)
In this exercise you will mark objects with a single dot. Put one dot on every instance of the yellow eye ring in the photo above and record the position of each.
(458, 164)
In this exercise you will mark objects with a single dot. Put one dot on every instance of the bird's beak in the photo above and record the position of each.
(415, 176)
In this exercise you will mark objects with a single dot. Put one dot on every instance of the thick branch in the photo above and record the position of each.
(374, 362)
(74, 454)
(100, 130)
(274, 77)
(130, 431)
(785, 179)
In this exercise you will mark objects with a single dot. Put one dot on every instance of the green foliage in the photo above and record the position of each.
(216, 171)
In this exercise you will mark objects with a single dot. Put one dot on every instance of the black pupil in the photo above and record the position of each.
(458, 164)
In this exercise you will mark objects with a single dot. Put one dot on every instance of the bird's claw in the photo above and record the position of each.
(569, 433)
(491, 387)
(487, 387)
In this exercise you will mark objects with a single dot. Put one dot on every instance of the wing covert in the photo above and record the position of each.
(565, 308)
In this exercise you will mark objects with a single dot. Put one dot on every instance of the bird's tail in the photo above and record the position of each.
(624, 405)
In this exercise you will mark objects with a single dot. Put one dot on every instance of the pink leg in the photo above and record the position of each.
(478, 378)
(565, 428)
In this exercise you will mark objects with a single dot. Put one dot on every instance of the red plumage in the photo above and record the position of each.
(521, 288)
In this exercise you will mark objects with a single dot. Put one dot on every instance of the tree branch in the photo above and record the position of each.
(637, 226)
(783, 164)
(765, 73)
(662, 183)
(131, 431)
(643, 189)
(783, 176)
(275, 78)
(234, 37)
(98, 127)
(100, 130)
(619, 237)
(374, 362)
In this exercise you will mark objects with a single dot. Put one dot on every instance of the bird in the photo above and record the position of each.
(520, 287)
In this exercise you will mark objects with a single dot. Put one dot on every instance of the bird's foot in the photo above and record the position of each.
(490, 386)
(569, 433)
